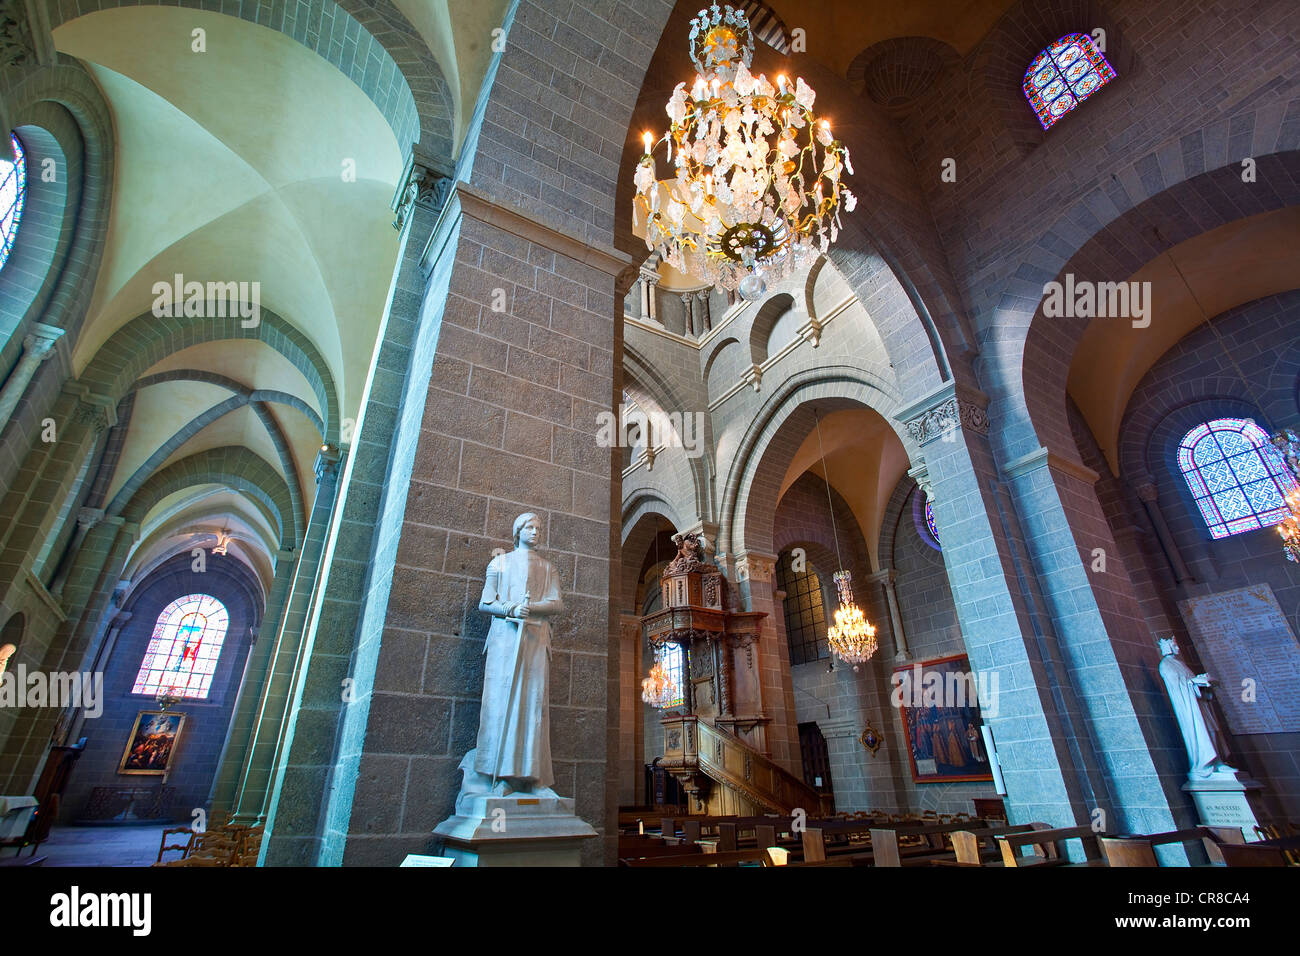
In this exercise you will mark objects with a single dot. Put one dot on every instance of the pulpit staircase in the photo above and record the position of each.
(725, 776)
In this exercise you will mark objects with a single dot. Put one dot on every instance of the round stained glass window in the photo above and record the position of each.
(13, 189)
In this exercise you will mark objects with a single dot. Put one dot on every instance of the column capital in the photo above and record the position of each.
(25, 38)
(41, 339)
(87, 518)
(920, 473)
(944, 411)
(885, 576)
(755, 565)
(328, 459)
(422, 182)
(1146, 490)
(93, 410)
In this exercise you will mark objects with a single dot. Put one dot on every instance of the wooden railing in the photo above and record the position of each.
(730, 762)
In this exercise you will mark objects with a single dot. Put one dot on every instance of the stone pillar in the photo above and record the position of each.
(630, 731)
(705, 320)
(38, 345)
(233, 767)
(688, 310)
(649, 283)
(886, 579)
(359, 556)
(1101, 641)
(286, 662)
(998, 624)
(756, 574)
(1146, 492)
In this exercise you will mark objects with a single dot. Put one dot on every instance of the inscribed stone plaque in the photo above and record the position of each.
(1243, 635)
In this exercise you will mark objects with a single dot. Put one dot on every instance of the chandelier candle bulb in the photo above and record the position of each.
(649, 141)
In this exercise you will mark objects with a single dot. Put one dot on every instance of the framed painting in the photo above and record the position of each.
(152, 743)
(939, 704)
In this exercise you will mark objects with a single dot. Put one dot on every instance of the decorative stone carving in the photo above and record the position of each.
(753, 376)
(755, 567)
(1146, 491)
(690, 554)
(16, 47)
(948, 416)
(87, 518)
(91, 415)
(328, 459)
(423, 185)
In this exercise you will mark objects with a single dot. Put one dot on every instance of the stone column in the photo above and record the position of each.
(286, 660)
(38, 345)
(756, 574)
(630, 730)
(688, 302)
(705, 322)
(886, 579)
(1146, 492)
(233, 766)
(997, 620)
(649, 307)
(357, 558)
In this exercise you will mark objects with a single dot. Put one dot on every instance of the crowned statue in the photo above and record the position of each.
(1196, 721)
(513, 753)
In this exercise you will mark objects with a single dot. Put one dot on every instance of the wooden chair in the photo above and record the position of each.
(1217, 838)
(814, 846)
(1128, 851)
(690, 831)
(765, 835)
(186, 844)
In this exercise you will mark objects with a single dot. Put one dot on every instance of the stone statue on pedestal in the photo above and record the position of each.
(1200, 730)
(513, 754)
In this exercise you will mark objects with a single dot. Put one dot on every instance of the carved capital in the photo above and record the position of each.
(40, 341)
(947, 417)
(421, 184)
(328, 458)
(93, 412)
(1146, 491)
(811, 331)
(753, 376)
(921, 475)
(25, 38)
(87, 518)
(752, 566)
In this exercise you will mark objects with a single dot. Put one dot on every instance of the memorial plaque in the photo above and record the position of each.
(1242, 635)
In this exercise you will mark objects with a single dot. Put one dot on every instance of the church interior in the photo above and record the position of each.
(874, 424)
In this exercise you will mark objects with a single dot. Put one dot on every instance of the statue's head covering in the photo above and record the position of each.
(1167, 645)
(522, 520)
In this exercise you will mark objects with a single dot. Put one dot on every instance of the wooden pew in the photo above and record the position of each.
(731, 858)
(1252, 854)
(1044, 840)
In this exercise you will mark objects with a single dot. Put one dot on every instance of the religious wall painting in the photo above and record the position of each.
(151, 748)
(941, 721)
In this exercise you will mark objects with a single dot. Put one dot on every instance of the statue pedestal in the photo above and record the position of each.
(514, 831)
(1221, 802)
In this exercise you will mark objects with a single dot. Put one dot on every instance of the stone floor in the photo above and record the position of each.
(98, 846)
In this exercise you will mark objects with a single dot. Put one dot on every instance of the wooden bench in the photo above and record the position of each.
(1044, 841)
(731, 858)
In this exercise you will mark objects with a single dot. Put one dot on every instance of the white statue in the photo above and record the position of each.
(1201, 734)
(522, 593)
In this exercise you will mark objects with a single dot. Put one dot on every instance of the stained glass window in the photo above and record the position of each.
(805, 612)
(674, 658)
(182, 654)
(1239, 480)
(929, 521)
(1064, 75)
(13, 189)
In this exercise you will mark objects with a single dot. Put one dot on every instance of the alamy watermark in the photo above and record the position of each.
(918, 687)
(61, 689)
(1098, 300)
(632, 426)
(211, 300)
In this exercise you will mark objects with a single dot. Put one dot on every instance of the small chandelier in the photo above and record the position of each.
(659, 688)
(757, 189)
(851, 638)
(1287, 442)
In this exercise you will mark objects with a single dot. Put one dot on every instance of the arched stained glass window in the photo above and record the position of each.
(182, 654)
(1237, 477)
(1064, 75)
(674, 658)
(13, 189)
(929, 521)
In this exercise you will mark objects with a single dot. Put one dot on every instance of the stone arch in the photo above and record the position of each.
(260, 395)
(59, 113)
(236, 467)
(144, 341)
(362, 40)
(1034, 414)
(237, 571)
(749, 498)
(764, 321)
(650, 518)
(897, 72)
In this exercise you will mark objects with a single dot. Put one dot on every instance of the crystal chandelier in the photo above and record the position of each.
(757, 189)
(659, 688)
(851, 638)
(1288, 443)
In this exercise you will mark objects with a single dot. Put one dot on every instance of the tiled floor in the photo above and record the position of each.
(99, 846)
